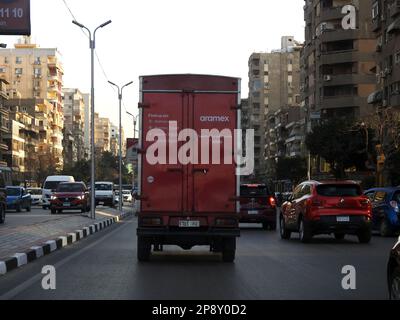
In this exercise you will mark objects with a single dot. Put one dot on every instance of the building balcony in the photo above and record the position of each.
(338, 35)
(336, 102)
(395, 101)
(295, 139)
(344, 56)
(3, 147)
(3, 163)
(347, 79)
(329, 14)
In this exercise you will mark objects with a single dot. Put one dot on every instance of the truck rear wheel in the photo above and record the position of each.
(143, 249)
(229, 250)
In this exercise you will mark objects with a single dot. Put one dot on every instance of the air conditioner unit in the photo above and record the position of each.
(327, 78)
(383, 75)
(388, 71)
(384, 103)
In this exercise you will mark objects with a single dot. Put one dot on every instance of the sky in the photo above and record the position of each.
(159, 37)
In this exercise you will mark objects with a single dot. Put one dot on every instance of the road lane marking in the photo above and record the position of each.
(38, 278)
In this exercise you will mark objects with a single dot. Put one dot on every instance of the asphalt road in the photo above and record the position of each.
(104, 266)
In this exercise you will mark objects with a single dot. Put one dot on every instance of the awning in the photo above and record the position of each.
(395, 26)
(375, 97)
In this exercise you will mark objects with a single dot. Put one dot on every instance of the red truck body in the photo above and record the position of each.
(196, 203)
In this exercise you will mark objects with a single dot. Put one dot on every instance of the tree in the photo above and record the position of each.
(342, 143)
(294, 169)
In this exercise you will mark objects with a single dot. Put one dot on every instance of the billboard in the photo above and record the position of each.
(15, 17)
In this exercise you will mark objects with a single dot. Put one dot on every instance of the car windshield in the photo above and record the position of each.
(254, 191)
(35, 192)
(337, 190)
(103, 187)
(126, 192)
(51, 185)
(70, 187)
(13, 192)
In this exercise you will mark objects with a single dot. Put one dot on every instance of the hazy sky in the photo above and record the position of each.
(160, 36)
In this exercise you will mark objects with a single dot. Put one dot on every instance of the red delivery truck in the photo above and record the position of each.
(186, 196)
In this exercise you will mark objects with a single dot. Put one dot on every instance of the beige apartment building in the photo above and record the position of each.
(4, 119)
(36, 74)
(274, 83)
(102, 134)
(114, 141)
(74, 126)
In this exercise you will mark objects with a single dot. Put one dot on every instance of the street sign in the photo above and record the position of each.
(131, 150)
(15, 17)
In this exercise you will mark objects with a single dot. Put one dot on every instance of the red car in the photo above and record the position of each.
(70, 196)
(337, 208)
(258, 205)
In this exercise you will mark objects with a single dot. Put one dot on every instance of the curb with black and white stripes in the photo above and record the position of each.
(20, 259)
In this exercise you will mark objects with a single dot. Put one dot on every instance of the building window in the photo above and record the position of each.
(18, 71)
(18, 60)
(37, 60)
(5, 60)
(3, 70)
(397, 57)
(37, 71)
(375, 10)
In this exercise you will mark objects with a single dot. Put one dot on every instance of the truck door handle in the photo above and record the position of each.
(201, 170)
(175, 169)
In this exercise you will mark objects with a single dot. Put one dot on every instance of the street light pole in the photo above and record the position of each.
(120, 90)
(92, 147)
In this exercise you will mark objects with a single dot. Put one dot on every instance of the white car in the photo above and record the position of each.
(104, 194)
(50, 186)
(36, 196)
(127, 195)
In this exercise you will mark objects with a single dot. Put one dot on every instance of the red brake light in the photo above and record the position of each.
(272, 202)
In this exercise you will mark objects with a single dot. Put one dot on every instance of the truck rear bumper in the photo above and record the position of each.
(192, 234)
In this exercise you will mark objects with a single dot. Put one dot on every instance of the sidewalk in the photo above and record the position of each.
(15, 240)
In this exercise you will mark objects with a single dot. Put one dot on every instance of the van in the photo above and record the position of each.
(105, 194)
(49, 187)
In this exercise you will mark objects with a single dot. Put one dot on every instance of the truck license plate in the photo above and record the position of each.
(189, 224)
(67, 204)
(253, 212)
(343, 219)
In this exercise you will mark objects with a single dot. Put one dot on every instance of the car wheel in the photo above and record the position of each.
(285, 234)
(272, 226)
(340, 236)
(2, 215)
(265, 225)
(18, 208)
(229, 250)
(53, 211)
(83, 209)
(365, 236)
(143, 249)
(28, 209)
(59, 211)
(384, 228)
(44, 207)
(394, 284)
(304, 231)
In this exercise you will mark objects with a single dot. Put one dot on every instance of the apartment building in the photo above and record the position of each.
(102, 134)
(274, 83)
(386, 26)
(4, 119)
(74, 126)
(337, 64)
(114, 141)
(37, 74)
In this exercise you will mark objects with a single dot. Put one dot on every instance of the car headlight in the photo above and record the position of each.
(81, 197)
(53, 198)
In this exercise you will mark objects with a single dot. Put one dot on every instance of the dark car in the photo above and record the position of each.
(258, 205)
(3, 200)
(70, 196)
(337, 208)
(385, 210)
(393, 272)
(18, 198)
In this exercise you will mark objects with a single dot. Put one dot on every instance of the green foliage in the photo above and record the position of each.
(342, 144)
(294, 169)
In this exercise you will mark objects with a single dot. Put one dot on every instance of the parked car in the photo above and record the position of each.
(18, 198)
(105, 194)
(36, 195)
(3, 199)
(337, 208)
(385, 210)
(393, 272)
(70, 196)
(258, 205)
(50, 186)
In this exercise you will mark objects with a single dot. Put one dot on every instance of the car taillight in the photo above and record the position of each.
(151, 221)
(395, 206)
(272, 202)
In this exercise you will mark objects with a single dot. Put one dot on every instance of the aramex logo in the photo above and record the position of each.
(214, 119)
